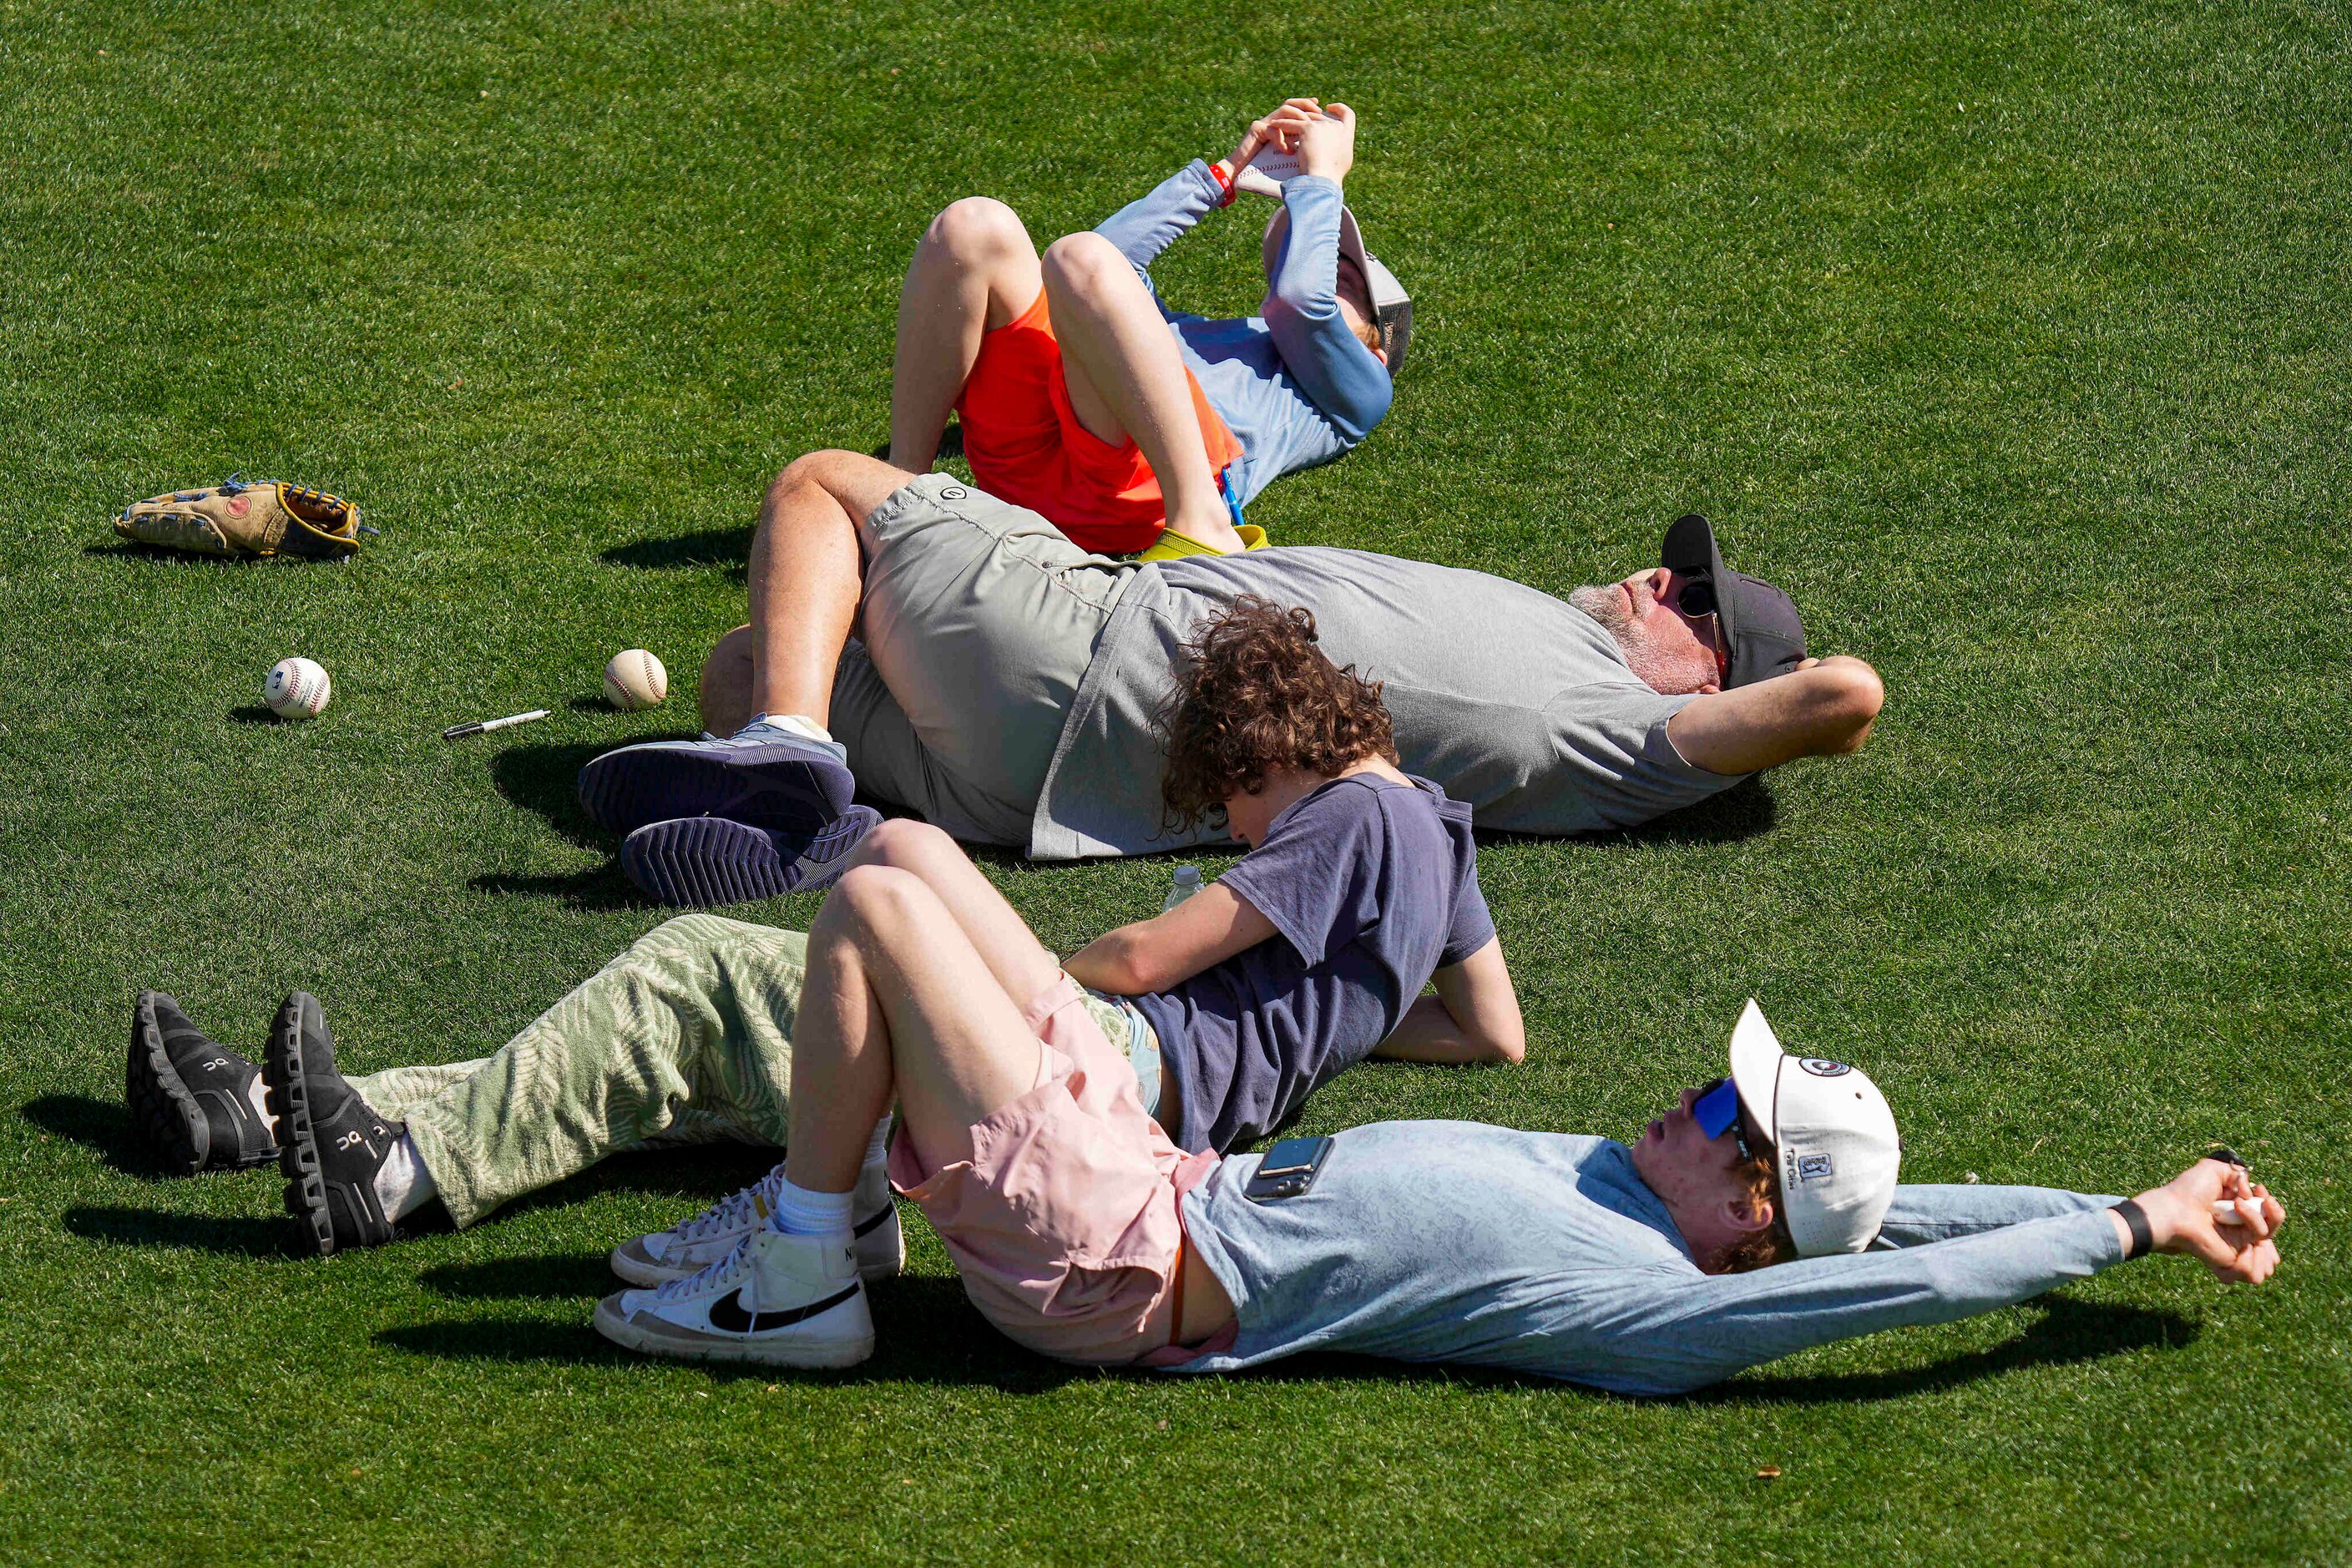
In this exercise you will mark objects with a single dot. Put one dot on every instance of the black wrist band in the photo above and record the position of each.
(2143, 1239)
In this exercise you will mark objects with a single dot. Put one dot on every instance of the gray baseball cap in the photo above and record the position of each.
(1760, 622)
(1391, 306)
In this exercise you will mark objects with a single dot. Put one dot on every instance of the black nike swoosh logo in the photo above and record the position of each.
(728, 1313)
(874, 1220)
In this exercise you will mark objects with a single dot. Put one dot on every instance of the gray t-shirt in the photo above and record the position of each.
(1452, 1241)
(1372, 887)
(1522, 706)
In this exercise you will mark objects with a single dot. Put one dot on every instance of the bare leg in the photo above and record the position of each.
(806, 575)
(974, 270)
(900, 1001)
(897, 1001)
(1126, 378)
(1021, 964)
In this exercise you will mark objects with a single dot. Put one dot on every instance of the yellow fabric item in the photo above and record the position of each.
(1175, 546)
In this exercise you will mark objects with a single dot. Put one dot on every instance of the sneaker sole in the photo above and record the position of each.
(284, 1080)
(160, 1103)
(777, 1350)
(768, 786)
(639, 1268)
(700, 860)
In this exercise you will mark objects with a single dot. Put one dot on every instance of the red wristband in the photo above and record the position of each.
(1225, 184)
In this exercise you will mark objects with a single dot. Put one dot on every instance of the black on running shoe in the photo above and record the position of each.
(331, 1142)
(192, 1101)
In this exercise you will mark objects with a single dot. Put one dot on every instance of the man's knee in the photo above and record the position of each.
(1085, 267)
(857, 481)
(820, 471)
(978, 230)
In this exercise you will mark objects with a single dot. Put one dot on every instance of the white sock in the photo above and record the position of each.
(878, 1147)
(800, 1212)
(402, 1184)
(259, 1094)
(790, 723)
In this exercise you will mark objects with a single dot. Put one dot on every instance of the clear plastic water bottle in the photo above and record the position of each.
(1187, 882)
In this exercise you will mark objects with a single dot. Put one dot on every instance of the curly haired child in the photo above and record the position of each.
(1360, 888)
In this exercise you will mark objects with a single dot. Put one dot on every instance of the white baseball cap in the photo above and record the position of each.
(1838, 1151)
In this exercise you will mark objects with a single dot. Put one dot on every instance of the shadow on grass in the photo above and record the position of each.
(689, 1174)
(599, 890)
(924, 1330)
(2067, 1332)
(544, 779)
(233, 1235)
(728, 547)
(103, 1126)
(559, 1277)
(253, 713)
(1743, 811)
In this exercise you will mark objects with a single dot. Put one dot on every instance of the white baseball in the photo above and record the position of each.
(636, 679)
(297, 689)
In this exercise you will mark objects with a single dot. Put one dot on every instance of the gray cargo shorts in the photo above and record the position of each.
(979, 619)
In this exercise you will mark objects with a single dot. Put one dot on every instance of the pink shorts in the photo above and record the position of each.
(1064, 1222)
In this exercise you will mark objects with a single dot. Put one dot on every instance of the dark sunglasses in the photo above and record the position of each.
(1696, 599)
(1716, 1112)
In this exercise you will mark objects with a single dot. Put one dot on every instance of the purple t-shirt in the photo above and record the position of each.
(1372, 887)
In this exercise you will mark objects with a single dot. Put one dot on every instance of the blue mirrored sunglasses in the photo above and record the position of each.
(1716, 1112)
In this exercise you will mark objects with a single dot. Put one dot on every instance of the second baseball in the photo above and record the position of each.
(635, 679)
(297, 689)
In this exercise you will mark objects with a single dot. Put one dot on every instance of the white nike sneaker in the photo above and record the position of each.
(782, 1301)
(877, 1240)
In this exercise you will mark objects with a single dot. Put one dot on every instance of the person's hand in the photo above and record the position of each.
(1280, 130)
(2180, 1219)
(1326, 144)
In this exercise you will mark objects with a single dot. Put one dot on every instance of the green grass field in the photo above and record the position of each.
(2012, 338)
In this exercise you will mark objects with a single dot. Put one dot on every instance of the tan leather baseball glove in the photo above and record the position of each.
(237, 517)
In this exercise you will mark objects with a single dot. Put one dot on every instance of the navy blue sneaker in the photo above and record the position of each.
(712, 860)
(765, 777)
(193, 1100)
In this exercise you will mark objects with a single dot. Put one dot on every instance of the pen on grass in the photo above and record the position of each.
(482, 726)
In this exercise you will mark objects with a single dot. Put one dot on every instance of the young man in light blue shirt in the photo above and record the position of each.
(1759, 1217)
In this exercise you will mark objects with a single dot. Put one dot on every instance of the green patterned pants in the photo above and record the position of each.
(685, 1038)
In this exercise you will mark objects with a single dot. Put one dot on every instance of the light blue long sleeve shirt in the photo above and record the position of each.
(1294, 385)
(1452, 1241)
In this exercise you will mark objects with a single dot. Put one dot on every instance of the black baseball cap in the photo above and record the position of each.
(1759, 623)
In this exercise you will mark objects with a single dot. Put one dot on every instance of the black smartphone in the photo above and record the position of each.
(1287, 1170)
